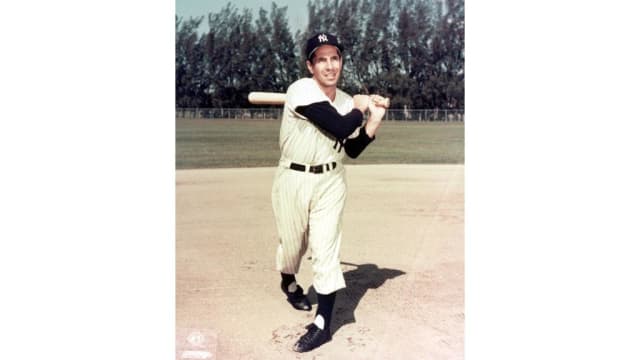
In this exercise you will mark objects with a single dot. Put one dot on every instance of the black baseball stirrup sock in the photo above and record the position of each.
(287, 279)
(325, 307)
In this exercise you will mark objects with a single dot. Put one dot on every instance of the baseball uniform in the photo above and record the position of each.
(309, 188)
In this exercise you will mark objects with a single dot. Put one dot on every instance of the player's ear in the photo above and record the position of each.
(310, 67)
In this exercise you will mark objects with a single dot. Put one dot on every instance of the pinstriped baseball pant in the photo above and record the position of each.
(308, 210)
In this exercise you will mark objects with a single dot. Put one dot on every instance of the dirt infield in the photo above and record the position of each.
(402, 254)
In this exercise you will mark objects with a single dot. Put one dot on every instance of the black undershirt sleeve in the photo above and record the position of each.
(354, 147)
(326, 117)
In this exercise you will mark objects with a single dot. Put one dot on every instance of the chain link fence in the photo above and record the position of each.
(275, 113)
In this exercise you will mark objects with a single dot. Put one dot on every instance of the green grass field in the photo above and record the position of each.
(253, 143)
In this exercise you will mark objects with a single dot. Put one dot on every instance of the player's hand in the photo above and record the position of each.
(361, 102)
(376, 109)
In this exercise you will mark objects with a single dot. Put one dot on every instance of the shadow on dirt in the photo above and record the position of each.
(358, 280)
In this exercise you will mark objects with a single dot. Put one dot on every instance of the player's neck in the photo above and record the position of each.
(330, 91)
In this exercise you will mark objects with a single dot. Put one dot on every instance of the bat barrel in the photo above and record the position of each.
(266, 98)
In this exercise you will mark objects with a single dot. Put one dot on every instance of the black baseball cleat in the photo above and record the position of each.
(297, 299)
(312, 339)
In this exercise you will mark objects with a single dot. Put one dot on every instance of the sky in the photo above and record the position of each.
(296, 10)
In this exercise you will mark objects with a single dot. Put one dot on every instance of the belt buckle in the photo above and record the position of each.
(317, 169)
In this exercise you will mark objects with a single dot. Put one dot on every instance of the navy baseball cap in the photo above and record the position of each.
(320, 39)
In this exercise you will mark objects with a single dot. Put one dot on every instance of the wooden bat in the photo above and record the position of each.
(275, 98)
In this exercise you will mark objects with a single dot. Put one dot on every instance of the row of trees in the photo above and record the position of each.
(410, 50)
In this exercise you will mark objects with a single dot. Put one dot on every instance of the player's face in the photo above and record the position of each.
(326, 66)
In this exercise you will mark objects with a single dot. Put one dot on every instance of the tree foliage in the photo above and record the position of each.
(410, 50)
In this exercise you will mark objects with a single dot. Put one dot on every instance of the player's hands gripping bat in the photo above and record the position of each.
(380, 101)
(377, 107)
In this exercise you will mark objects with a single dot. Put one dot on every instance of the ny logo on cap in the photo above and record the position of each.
(323, 38)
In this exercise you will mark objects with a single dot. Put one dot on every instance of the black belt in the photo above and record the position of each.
(316, 169)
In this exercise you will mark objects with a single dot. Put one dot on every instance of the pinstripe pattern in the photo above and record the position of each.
(308, 210)
(308, 207)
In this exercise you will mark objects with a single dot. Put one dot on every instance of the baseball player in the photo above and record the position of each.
(320, 123)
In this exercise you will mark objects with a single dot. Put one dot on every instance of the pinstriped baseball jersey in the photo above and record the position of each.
(308, 206)
(300, 140)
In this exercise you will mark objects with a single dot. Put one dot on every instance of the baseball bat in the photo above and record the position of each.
(275, 98)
